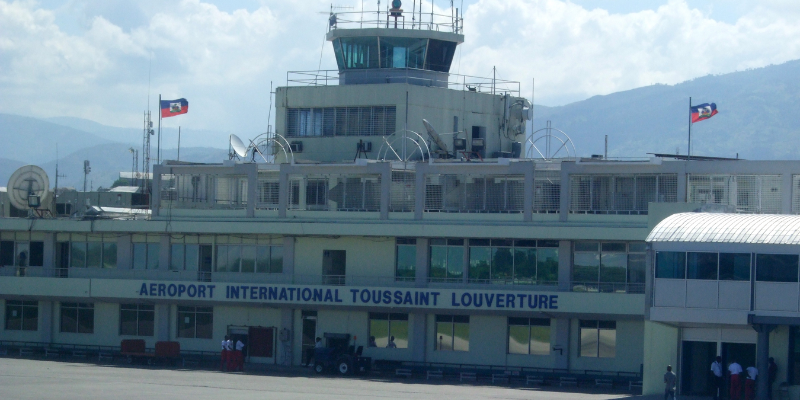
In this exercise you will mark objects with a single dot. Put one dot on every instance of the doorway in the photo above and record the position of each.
(743, 353)
(334, 266)
(309, 319)
(695, 368)
(236, 334)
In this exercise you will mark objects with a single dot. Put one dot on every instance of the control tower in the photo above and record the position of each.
(394, 71)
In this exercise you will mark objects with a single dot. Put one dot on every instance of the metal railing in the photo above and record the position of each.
(408, 19)
(420, 76)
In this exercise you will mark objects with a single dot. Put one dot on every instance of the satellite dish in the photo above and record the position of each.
(435, 136)
(238, 146)
(28, 187)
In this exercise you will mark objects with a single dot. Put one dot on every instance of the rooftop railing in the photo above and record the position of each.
(429, 78)
(407, 19)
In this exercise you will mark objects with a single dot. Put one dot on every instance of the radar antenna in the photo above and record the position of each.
(28, 189)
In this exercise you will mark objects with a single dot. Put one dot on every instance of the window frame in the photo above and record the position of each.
(598, 326)
(194, 313)
(80, 310)
(454, 322)
(400, 319)
(530, 323)
(139, 311)
(22, 306)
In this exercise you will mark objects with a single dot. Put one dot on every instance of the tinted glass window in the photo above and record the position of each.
(670, 264)
(734, 266)
(701, 265)
(776, 267)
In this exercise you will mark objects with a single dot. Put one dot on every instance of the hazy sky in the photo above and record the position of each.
(92, 58)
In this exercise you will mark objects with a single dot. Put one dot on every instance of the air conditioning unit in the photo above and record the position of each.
(297, 147)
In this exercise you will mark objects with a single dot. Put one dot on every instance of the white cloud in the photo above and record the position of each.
(575, 53)
(222, 61)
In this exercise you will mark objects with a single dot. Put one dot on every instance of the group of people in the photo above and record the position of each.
(738, 381)
(390, 345)
(232, 356)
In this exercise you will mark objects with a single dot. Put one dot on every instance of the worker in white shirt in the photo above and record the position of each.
(239, 355)
(231, 355)
(736, 384)
(716, 372)
(224, 354)
(750, 383)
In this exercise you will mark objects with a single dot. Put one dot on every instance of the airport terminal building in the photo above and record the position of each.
(467, 250)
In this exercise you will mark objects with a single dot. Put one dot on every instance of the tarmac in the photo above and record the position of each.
(46, 379)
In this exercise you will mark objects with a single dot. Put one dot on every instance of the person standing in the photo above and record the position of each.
(239, 355)
(669, 382)
(716, 372)
(772, 372)
(224, 354)
(736, 384)
(750, 383)
(231, 354)
(391, 344)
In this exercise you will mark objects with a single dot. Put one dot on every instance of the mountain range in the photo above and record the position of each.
(759, 118)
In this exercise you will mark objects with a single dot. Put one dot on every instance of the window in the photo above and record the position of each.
(734, 266)
(452, 333)
(94, 254)
(334, 267)
(608, 266)
(384, 326)
(184, 257)
(146, 255)
(136, 319)
(22, 315)
(701, 265)
(671, 264)
(529, 336)
(776, 267)
(403, 52)
(317, 194)
(195, 322)
(77, 317)
(250, 258)
(406, 259)
(21, 253)
(513, 261)
(340, 121)
(358, 52)
(598, 339)
(446, 260)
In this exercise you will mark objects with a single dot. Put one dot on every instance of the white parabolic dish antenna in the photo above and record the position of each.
(27, 181)
(238, 146)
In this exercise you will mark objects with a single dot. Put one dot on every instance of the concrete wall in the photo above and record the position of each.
(366, 257)
(660, 349)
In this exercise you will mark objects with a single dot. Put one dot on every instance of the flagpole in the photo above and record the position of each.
(689, 149)
(158, 152)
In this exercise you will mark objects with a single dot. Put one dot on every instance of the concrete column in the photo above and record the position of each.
(419, 190)
(283, 192)
(49, 256)
(762, 360)
(422, 264)
(162, 322)
(563, 207)
(288, 255)
(124, 252)
(155, 195)
(163, 254)
(386, 189)
(564, 265)
(560, 340)
(418, 336)
(528, 187)
(46, 319)
(252, 187)
(786, 195)
(284, 356)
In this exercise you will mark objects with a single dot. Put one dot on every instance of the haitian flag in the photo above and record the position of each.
(171, 108)
(703, 112)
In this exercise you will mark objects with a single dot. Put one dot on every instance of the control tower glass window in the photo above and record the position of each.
(357, 52)
(440, 55)
(403, 52)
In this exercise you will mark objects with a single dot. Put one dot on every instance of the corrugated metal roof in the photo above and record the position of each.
(728, 228)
